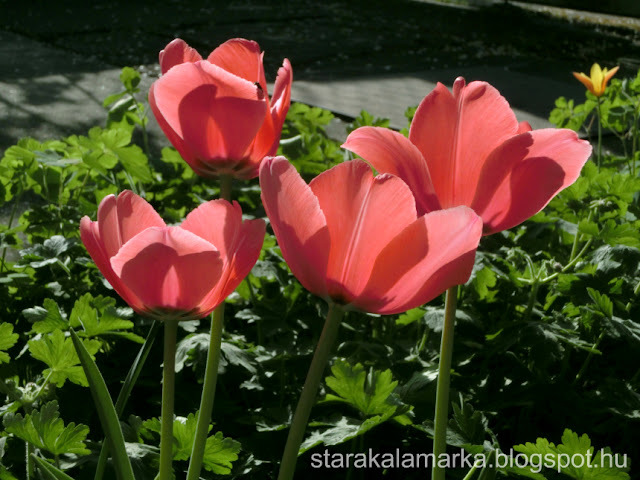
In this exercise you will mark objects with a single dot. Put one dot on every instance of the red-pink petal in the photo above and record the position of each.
(521, 176)
(390, 152)
(363, 214)
(246, 251)
(280, 101)
(457, 132)
(242, 58)
(434, 253)
(122, 218)
(218, 222)
(297, 221)
(90, 237)
(176, 53)
(168, 268)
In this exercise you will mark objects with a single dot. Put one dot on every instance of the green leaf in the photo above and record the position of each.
(46, 430)
(51, 472)
(410, 316)
(219, 454)
(341, 431)
(58, 352)
(7, 340)
(85, 315)
(130, 78)
(561, 458)
(369, 393)
(106, 411)
(46, 319)
(602, 302)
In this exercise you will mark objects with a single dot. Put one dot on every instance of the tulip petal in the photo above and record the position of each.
(246, 251)
(457, 132)
(160, 264)
(363, 214)
(521, 176)
(220, 119)
(586, 81)
(281, 99)
(206, 112)
(90, 236)
(122, 218)
(242, 58)
(391, 152)
(297, 221)
(434, 253)
(176, 53)
(205, 221)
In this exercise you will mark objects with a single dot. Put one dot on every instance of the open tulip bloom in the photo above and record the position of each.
(597, 81)
(467, 148)
(217, 112)
(172, 272)
(357, 241)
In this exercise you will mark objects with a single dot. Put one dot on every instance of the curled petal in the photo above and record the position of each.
(522, 175)
(434, 253)
(363, 214)
(297, 221)
(176, 53)
(391, 152)
(160, 264)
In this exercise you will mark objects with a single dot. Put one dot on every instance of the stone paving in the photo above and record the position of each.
(59, 60)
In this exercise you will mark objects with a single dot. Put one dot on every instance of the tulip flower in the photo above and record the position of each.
(172, 272)
(357, 241)
(216, 112)
(596, 83)
(467, 148)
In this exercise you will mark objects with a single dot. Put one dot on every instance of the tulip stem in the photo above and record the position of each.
(309, 391)
(599, 131)
(168, 387)
(442, 389)
(208, 394)
(226, 184)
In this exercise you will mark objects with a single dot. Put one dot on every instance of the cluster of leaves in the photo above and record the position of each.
(546, 335)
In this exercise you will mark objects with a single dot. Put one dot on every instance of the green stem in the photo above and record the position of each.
(442, 389)
(470, 473)
(585, 365)
(13, 213)
(226, 184)
(168, 387)
(599, 132)
(309, 391)
(208, 394)
(30, 466)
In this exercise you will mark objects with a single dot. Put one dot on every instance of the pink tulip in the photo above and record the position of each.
(357, 240)
(216, 112)
(180, 272)
(467, 148)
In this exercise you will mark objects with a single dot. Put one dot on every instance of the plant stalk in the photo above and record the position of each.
(442, 391)
(168, 388)
(599, 132)
(309, 391)
(208, 394)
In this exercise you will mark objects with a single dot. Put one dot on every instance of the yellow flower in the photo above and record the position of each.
(597, 82)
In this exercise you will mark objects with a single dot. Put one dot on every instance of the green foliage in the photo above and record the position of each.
(219, 454)
(547, 329)
(57, 351)
(45, 429)
(575, 458)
